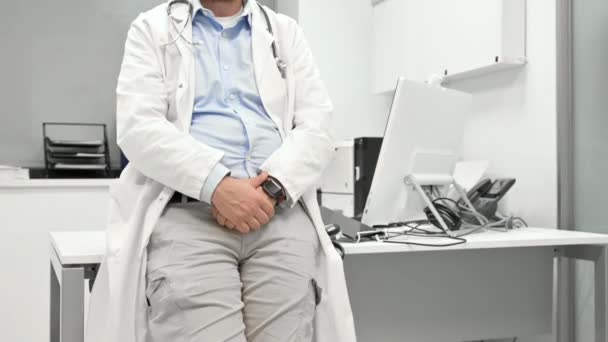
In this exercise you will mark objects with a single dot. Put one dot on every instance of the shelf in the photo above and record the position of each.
(420, 39)
(87, 167)
(75, 143)
(76, 155)
(502, 65)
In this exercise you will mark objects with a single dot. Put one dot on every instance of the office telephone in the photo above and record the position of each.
(486, 195)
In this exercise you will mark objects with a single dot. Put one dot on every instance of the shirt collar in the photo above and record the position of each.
(247, 9)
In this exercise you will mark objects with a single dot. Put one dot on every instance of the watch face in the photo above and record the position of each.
(272, 188)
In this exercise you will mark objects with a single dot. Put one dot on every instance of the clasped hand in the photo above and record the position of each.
(242, 204)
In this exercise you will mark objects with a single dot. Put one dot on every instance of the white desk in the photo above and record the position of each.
(30, 209)
(75, 256)
(497, 285)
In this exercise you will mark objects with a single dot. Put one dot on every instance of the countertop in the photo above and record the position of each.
(57, 183)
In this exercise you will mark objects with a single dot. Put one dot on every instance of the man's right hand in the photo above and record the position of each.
(240, 203)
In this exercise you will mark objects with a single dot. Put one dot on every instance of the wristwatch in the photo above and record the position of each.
(274, 189)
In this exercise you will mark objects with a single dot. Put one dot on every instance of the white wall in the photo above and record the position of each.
(514, 121)
(340, 38)
(288, 7)
(514, 124)
(60, 62)
(269, 3)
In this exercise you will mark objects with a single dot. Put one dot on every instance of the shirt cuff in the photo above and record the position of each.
(287, 203)
(214, 178)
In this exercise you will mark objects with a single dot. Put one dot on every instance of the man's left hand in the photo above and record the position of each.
(222, 221)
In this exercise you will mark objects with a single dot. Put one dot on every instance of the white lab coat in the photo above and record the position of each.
(155, 102)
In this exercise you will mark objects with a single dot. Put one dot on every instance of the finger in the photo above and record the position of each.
(214, 212)
(230, 225)
(221, 220)
(243, 227)
(262, 217)
(254, 224)
(259, 180)
(267, 206)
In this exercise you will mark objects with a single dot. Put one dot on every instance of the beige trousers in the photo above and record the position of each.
(206, 283)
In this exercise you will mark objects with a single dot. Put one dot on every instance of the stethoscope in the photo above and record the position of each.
(281, 65)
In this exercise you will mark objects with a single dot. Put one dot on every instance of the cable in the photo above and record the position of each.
(388, 235)
(454, 214)
(451, 216)
(459, 241)
(462, 211)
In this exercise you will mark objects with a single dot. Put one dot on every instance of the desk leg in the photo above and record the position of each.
(54, 307)
(72, 305)
(601, 300)
(599, 256)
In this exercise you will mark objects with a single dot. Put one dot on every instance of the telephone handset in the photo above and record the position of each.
(486, 195)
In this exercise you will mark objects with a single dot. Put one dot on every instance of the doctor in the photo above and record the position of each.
(214, 232)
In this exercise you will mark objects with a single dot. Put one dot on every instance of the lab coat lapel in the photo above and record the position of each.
(185, 60)
(271, 85)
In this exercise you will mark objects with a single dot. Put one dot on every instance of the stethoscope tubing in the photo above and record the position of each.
(281, 65)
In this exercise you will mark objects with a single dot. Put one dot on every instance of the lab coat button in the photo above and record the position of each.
(226, 67)
(225, 34)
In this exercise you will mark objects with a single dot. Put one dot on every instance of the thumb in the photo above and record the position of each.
(257, 181)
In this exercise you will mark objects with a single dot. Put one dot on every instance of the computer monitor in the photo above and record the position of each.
(424, 136)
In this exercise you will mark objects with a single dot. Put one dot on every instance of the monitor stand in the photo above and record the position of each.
(418, 181)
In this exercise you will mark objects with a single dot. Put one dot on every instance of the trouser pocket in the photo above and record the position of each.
(309, 309)
(318, 292)
(157, 293)
(164, 317)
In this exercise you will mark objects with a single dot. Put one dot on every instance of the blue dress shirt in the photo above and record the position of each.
(228, 111)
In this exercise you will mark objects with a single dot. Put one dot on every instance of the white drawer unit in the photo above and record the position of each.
(339, 177)
(346, 182)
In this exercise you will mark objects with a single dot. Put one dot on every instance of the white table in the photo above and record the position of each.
(30, 210)
(496, 285)
(75, 256)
